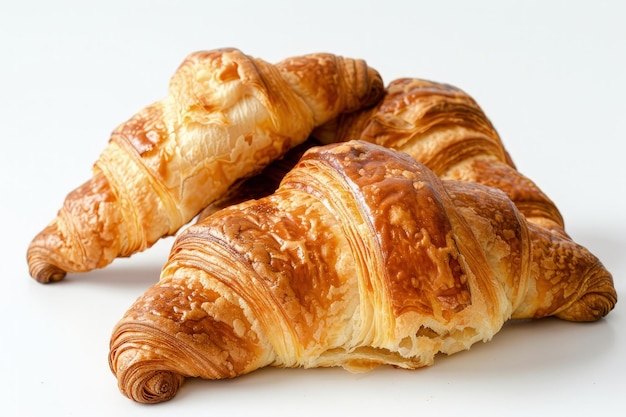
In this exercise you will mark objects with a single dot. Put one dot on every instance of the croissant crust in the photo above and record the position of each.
(362, 257)
(226, 116)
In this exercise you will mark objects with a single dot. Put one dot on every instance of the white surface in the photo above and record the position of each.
(549, 74)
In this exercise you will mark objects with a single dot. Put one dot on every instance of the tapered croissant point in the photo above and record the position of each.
(362, 257)
(226, 116)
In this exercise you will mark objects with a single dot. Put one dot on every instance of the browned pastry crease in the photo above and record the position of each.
(226, 116)
(361, 257)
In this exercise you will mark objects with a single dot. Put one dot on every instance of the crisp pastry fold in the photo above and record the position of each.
(363, 256)
(226, 116)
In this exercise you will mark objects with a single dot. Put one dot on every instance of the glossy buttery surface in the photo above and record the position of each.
(552, 86)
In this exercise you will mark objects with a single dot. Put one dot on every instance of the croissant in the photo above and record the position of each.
(226, 116)
(443, 127)
(362, 257)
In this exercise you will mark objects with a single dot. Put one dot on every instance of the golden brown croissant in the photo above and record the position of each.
(362, 257)
(226, 116)
(444, 128)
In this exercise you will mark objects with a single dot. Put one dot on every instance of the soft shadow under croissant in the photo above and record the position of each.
(362, 257)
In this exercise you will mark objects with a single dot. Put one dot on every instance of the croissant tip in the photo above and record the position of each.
(156, 387)
(591, 307)
(597, 302)
(48, 273)
(42, 270)
(144, 384)
(143, 380)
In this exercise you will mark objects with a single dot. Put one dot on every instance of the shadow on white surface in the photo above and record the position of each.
(125, 277)
(523, 352)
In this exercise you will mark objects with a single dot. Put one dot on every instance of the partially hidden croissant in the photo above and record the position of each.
(443, 127)
(437, 124)
(226, 116)
(362, 257)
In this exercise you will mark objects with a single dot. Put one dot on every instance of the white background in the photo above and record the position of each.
(550, 75)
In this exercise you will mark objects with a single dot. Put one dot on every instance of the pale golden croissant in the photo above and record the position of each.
(444, 128)
(226, 116)
(362, 257)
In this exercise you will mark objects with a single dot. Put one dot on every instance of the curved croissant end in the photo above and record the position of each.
(226, 117)
(39, 260)
(155, 387)
(569, 281)
(353, 85)
(143, 381)
(597, 298)
(43, 262)
(71, 243)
